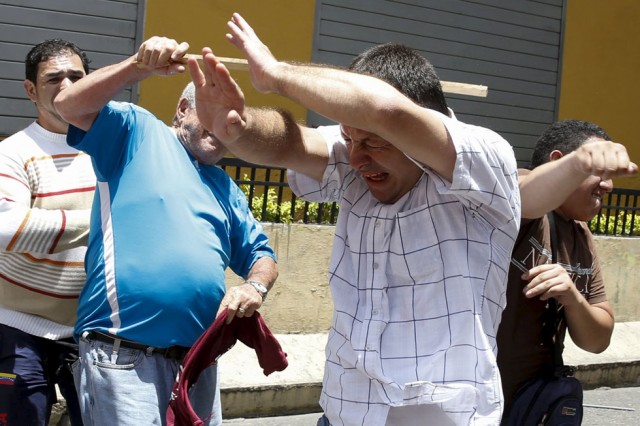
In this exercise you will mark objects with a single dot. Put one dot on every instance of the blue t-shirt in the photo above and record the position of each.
(163, 231)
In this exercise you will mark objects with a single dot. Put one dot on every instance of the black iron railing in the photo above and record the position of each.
(619, 215)
(271, 200)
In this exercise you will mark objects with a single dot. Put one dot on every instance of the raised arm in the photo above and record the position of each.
(547, 186)
(352, 99)
(355, 100)
(81, 102)
(262, 136)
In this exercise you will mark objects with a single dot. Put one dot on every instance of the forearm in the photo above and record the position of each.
(269, 137)
(369, 104)
(547, 186)
(33, 230)
(590, 326)
(264, 271)
(273, 138)
(80, 103)
(340, 95)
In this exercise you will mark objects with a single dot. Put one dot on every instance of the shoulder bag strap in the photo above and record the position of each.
(555, 314)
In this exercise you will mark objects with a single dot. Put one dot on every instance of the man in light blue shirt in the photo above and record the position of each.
(166, 223)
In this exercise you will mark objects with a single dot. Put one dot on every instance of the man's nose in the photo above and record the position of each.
(357, 155)
(66, 82)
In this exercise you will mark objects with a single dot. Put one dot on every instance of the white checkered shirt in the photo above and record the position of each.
(419, 285)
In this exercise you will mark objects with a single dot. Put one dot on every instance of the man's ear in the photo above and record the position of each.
(30, 88)
(555, 155)
(183, 106)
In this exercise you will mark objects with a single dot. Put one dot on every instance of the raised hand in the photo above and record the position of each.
(605, 159)
(219, 100)
(261, 60)
(160, 55)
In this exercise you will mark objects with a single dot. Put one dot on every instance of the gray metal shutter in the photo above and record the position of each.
(108, 31)
(512, 46)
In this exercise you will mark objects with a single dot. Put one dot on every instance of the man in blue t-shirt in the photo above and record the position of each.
(166, 223)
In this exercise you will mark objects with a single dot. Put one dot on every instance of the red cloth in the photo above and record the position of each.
(215, 341)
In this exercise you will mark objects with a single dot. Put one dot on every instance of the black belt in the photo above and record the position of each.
(172, 352)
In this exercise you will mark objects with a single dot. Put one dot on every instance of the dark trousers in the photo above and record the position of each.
(29, 369)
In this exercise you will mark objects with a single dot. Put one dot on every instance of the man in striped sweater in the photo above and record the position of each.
(46, 191)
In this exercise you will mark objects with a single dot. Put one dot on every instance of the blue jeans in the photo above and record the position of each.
(30, 367)
(132, 388)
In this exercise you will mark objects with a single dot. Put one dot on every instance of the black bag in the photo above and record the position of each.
(555, 399)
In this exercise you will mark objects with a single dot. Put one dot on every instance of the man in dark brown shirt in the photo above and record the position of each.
(573, 163)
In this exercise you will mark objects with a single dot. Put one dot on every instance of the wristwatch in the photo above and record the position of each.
(259, 288)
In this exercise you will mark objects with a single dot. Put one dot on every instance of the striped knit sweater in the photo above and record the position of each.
(46, 191)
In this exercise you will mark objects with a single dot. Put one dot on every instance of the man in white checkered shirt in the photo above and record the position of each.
(429, 211)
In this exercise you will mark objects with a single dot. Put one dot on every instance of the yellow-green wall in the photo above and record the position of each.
(286, 26)
(601, 63)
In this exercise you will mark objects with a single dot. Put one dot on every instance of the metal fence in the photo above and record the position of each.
(271, 200)
(619, 215)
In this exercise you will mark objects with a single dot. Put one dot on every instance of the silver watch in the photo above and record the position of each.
(259, 288)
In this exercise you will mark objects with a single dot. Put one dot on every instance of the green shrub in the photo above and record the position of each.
(608, 229)
(282, 212)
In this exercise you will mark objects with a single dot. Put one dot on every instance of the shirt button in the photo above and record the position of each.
(375, 265)
(375, 312)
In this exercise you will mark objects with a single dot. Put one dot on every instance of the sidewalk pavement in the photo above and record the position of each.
(247, 392)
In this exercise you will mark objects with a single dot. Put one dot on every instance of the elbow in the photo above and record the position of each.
(599, 347)
(597, 343)
(530, 212)
(595, 346)
(60, 103)
(386, 110)
(72, 113)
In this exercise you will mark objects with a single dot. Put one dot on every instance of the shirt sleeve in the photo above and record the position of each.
(113, 138)
(485, 176)
(338, 171)
(28, 229)
(248, 240)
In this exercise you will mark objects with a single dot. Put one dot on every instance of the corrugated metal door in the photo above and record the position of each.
(512, 46)
(108, 31)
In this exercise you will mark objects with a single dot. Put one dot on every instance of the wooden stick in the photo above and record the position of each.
(230, 63)
(447, 86)
(464, 89)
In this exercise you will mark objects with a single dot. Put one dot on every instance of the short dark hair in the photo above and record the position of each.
(50, 49)
(565, 136)
(406, 70)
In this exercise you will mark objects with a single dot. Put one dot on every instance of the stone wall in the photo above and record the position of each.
(301, 302)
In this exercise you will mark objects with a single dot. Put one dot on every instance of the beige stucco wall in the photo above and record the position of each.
(301, 302)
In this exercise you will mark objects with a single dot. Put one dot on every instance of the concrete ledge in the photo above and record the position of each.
(268, 401)
(247, 392)
(618, 366)
(614, 374)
